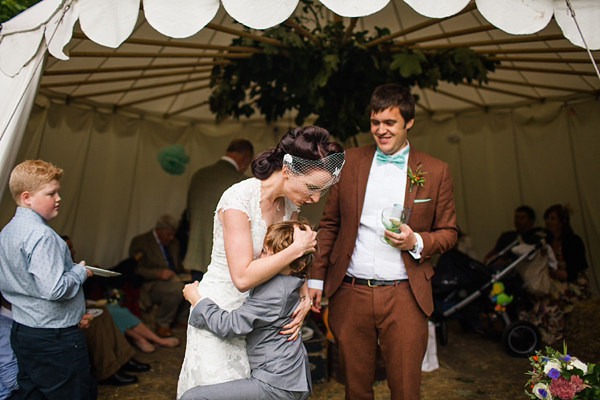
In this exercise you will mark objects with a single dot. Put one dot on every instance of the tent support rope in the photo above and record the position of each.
(570, 8)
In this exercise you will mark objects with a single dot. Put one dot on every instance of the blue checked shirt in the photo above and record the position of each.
(8, 361)
(37, 275)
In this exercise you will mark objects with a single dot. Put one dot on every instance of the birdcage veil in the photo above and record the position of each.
(302, 167)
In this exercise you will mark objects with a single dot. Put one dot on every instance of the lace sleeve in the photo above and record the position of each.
(237, 197)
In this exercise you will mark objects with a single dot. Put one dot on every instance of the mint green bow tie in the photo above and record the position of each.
(398, 160)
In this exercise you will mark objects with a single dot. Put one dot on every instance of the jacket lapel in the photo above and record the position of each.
(409, 195)
(364, 168)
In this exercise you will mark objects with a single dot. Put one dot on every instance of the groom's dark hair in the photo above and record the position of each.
(280, 236)
(393, 95)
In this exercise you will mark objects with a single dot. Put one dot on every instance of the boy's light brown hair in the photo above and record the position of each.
(281, 235)
(30, 176)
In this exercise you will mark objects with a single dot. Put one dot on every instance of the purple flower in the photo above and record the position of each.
(567, 358)
(543, 393)
(554, 373)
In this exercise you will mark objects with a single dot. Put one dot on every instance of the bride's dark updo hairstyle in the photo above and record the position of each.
(309, 142)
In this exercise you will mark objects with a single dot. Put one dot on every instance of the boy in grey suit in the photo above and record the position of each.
(280, 368)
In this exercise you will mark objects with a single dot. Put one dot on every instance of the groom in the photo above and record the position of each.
(380, 294)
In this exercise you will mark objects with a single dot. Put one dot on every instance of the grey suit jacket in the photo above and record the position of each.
(267, 309)
(205, 190)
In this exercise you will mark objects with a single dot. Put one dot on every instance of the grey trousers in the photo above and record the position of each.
(242, 389)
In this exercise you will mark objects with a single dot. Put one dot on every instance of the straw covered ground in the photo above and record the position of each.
(472, 366)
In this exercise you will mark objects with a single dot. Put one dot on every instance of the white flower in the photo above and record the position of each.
(287, 159)
(551, 365)
(541, 389)
(575, 363)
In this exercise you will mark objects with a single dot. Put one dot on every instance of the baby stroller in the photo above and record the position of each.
(462, 288)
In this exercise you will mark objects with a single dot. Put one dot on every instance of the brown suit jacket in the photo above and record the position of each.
(433, 217)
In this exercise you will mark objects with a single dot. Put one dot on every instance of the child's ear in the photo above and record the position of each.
(26, 198)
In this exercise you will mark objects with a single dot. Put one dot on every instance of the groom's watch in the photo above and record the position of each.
(415, 247)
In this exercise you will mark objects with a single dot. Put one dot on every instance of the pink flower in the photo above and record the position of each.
(577, 383)
(562, 388)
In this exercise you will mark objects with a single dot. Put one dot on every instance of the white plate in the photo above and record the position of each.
(103, 272)
(307, 333)
(96, 312)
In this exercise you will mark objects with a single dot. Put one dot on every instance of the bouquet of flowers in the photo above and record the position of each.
(557, 375)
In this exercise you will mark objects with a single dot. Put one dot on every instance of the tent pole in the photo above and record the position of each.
(546, 70)
(470, 7)
(502, 91)
(445, 35)
(459, 98)
(236, 32)
(185, 45)
(126, 78)
(135, 68)
(569, 89)
(147, 87)
(525, 39)
(162, 96)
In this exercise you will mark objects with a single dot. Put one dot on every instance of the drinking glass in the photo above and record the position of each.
(392, 218)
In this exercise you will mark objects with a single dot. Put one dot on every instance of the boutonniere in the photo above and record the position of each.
(416, 178)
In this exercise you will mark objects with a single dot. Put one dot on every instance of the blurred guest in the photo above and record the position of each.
(127, 323)
(465, 245)
(111, 356)
(568, 284)
(157, 252)
(523, 222)
(205, 190)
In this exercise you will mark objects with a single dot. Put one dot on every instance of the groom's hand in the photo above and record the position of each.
(403, 240)
(315, 295)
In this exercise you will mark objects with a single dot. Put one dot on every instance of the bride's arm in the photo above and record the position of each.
(246, 273)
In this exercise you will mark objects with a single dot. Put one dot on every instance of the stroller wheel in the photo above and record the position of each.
(521, 339)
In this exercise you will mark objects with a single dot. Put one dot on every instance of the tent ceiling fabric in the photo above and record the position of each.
(145, 72)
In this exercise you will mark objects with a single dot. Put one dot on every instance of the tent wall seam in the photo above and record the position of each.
(519, 178)
(580, 198)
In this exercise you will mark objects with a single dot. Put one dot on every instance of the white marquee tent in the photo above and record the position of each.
(136, 81)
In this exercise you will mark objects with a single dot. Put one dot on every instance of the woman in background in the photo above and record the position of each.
(569, 283)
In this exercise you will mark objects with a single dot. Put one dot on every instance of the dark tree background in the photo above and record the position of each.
(10, 8)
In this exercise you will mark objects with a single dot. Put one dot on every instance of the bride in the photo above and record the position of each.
(302, 166)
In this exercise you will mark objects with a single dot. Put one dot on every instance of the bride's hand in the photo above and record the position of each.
(293, 328)
(305, 240)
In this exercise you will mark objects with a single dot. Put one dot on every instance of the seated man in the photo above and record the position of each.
(157, 252)
(523, 221)
(111, 355)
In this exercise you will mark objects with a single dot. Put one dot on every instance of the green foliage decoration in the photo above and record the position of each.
(333, 77)
(10, 8)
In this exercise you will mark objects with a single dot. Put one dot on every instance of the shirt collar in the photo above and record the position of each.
(29, 214)
(232, 161)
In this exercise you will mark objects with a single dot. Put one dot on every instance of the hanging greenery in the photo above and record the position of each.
(10, 8)
(330, 71)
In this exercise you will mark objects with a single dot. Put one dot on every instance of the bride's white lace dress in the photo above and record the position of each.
(209, 359)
